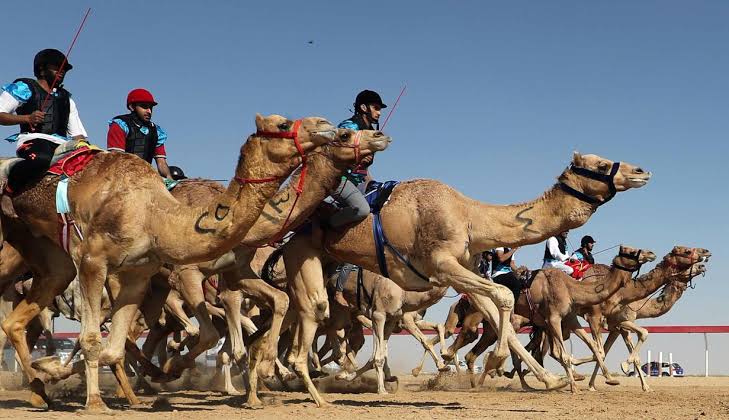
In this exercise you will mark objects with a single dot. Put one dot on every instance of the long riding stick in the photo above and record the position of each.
(68, 52)
(394, 106)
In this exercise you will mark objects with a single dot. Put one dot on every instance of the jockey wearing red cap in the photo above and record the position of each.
(136, 133)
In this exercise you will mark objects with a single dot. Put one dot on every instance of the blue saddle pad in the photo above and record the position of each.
(378, 193)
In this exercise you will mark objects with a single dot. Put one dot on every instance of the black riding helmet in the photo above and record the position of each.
(368, 97)
(176, 173)
(49, 56)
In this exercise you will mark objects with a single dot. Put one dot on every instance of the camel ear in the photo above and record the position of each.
(259, 121)
(577, 158)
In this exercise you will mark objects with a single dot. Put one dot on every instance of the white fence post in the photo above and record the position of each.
(706, 355)
(660, 363)
(650, 361)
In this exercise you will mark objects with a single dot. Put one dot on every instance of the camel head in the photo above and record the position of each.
(350, 146)
(631, 259)
(683, 278)
(277, 146)
(683, 258)
(596, 180)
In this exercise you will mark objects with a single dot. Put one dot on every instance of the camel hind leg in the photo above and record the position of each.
(409, 323)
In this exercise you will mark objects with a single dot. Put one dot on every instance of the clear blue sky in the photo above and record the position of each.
(499, 95)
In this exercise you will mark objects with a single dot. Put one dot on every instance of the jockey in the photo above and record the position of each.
(585, 251)
(555, 253)
(349, 195)
(502, 271)
(136, 133)
(46, 118)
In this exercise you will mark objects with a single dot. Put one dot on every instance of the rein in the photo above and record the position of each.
(609, 179)
(635, 258)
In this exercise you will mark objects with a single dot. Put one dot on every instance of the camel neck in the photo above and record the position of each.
(661, 304)
(594, 291)
(321, 179)
(644, 285)
(527, 223)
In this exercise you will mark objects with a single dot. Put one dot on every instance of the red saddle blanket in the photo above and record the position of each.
(74, 162)
(579, 268)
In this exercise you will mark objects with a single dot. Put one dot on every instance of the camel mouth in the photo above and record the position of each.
(380, 144)
(639, 180)
(330, 133)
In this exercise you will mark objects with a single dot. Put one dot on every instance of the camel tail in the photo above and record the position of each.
(268, 272)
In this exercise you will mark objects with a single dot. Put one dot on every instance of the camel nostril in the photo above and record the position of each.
(639, 171)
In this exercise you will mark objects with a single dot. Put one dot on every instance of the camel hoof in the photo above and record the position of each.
(323, 404)
(37, 401)
(592, 389)
(625, 367)
(578, 376)
(52, 367)
(612, 382)
(96, 406)
(392, 384)
(415, 372)
(552, 383)
(253, 404)
(176, 365)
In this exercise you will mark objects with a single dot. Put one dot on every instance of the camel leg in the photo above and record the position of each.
(573, 324)
(191, 291)
(310, 300)
(419, 368)
(554, 324)
(634, 357)
(612, 336)
(377, 361)
(232, 301)
(438, 327)
(278, 301)
(44, 289)
(408, 321)
(481, 293)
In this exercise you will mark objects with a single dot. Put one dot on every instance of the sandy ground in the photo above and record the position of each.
(443, 396)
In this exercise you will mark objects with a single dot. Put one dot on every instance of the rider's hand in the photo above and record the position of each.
(35, 118)
(367, 160)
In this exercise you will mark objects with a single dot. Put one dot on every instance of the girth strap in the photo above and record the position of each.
(381, 242)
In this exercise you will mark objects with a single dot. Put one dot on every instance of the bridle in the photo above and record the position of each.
(356, 146)
(294, 135)
(635, 258)
(608, 178)
(693, 259)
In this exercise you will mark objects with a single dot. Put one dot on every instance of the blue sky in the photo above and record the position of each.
(499, 95)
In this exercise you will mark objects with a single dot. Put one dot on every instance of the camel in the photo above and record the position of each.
(553, 300)
(131, 225)
(386, 305)
(674, 266)
(285, 211)
(618, 311)
(441, 231)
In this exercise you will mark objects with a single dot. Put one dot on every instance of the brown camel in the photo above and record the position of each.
(285, 211)
(441, 231)
(674, 266)
(619, 311)
(131, 225)
(553, 300)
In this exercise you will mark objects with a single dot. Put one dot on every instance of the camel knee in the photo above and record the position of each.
(112, 356)
(321, 311)
(91, 345)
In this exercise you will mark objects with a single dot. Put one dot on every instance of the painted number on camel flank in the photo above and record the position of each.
(527, 221)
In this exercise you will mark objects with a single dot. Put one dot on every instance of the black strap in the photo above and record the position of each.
(587, 173)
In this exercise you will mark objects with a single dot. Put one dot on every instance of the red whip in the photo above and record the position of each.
(68, 52)
(393, 107)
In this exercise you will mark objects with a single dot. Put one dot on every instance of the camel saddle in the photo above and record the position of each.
(378, 194)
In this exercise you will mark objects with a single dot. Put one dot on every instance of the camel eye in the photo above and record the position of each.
(346, 136)
(283, 126)
(603, 166)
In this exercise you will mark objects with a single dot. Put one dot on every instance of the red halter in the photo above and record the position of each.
(294, 135)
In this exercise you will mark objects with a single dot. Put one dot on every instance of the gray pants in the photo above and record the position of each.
(344, 271)
(355, 207)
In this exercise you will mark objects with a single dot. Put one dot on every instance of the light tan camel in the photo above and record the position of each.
(386, 304)
(283, 212)
(441, 231)
(131, 225)
(616, 312)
